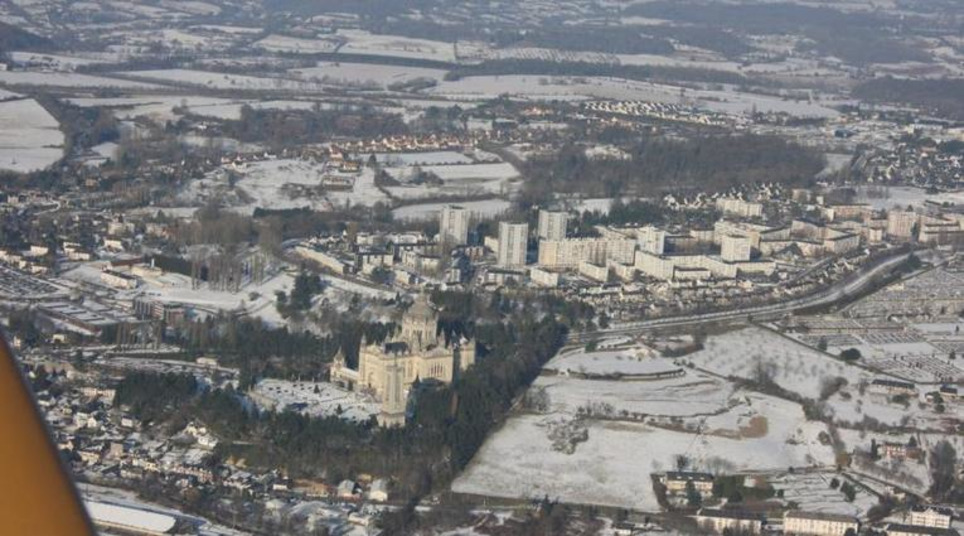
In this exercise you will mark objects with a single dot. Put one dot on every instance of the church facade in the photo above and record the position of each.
(387, 370)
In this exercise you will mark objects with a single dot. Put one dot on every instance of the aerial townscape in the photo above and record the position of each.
(505, 268)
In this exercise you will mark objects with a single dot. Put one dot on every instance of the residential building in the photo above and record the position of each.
(893, 387)
(569, 253)
(901, 224)
(897, 529)
(735, 248)
(454, 224)
(552, 224)
(739, 207)
(818, 524)
(513, 244)
(676, 482)
(732, 521)
(930, 516)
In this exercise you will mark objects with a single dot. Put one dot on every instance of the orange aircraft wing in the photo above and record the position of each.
(37, 495)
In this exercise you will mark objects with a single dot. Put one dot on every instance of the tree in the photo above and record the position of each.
(849, 492)
(693, 497)
(943, 465)
(850, 354)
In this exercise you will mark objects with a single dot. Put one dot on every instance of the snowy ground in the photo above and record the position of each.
(793, 366)
(295, 183)
(258, 299)
(686, 396)
(30, 138)
(71, 80)
(363, 42)
(213, 80)
(632, 360)
(317, 399)
(537, 87)
(477, 179)
(613, 467)
(420, 159)
(902, 196)
(284, 43)
(635, 428)
(489, 208)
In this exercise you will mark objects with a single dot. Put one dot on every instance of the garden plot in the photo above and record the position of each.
(366, 74)
(613, 465)
(811, 492)
(316, 399)
(793, 366)
(30, 138)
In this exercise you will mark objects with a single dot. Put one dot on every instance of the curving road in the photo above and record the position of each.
(841, 290)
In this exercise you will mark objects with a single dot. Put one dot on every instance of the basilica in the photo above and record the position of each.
(387, 370)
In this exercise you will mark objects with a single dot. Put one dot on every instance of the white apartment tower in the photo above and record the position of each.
(513, 241)
(552, 224)
(453, 227)
(735, 248)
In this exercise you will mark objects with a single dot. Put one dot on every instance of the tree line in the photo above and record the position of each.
(708, 163)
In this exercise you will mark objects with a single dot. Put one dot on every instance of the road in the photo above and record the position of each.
(839, 291)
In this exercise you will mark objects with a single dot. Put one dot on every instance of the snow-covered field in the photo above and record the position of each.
(364, 42)
(317, 399)
(420, 159)
(793, 366)
(537, 87)
(273, 184)
(625, 361)
(613, 466)
(636, 428)
(258, 299)
(902, 196)
(213, 80)
(488, 208)
(52, 61)
(72, 80)
(161, 107)
(469, 180)
(689, 395)
(30, 138)
(284, 43)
